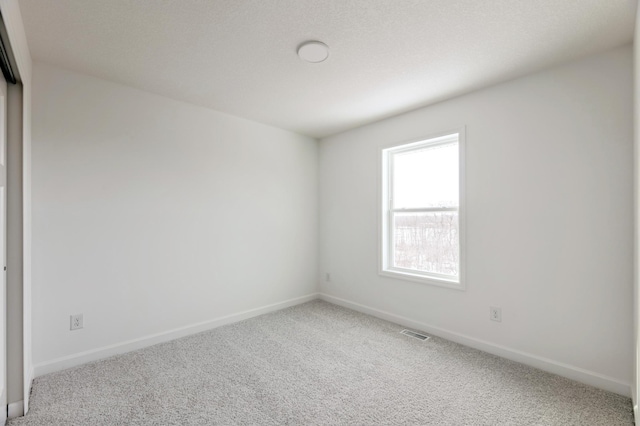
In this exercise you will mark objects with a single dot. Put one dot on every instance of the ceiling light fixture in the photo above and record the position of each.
(313, 51)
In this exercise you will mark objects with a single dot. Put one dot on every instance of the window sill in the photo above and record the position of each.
(438, 282)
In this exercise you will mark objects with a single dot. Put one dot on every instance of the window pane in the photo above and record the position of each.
(426, 242)
(426, 177)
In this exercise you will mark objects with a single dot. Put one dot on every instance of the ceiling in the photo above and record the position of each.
(386, 56)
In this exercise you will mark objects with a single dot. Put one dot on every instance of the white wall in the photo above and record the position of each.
(636, 211)
(151, 214)
(549, 228)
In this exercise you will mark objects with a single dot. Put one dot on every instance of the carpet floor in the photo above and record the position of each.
(315, 364)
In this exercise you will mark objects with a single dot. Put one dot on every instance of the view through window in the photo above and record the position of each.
(421, 209)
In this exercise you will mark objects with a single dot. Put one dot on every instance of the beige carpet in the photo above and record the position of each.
(315, 364)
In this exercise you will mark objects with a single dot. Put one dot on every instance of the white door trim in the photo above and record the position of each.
(12, 18)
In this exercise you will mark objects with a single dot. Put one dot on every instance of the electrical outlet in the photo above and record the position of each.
(327, 277)
(495, 314)
(77, 322)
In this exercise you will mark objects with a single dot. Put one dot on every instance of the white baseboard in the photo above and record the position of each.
(4, 408)
(634, 400)
(153, 339)
(27, 389)
(575, 373)
(15, 409)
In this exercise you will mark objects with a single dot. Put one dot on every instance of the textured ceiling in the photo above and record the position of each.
(239, 56)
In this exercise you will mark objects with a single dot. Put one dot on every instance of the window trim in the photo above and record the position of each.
(384, 216)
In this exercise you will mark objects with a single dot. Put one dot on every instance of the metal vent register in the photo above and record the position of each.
(415, 335)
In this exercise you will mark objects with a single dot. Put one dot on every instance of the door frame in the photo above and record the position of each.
(12, 18)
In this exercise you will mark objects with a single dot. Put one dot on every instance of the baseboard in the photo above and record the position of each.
(153, 339)
(4, 408)
(634, 401)
(575, 373)
(15, 409)
(27, 389)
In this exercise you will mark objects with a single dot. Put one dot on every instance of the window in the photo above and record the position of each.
(422, 220)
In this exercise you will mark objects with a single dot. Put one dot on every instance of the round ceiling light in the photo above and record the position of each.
(313, 51)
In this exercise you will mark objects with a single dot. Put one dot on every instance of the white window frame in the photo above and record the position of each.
(385, 226)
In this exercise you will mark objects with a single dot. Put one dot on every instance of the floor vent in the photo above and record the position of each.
(415, 335)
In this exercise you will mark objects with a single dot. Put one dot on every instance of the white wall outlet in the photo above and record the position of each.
(495, 314)
(327, 277)
(77, 322)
